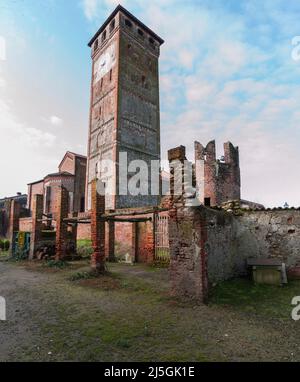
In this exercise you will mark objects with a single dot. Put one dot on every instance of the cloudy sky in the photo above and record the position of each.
(229, 71)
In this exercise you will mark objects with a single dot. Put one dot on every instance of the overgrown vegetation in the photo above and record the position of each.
(84, 248)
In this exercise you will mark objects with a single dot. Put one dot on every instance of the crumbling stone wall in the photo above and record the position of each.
(272, 233)
(233, 238)
(209, 245)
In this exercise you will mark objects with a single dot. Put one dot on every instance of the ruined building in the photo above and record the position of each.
(124, 111)
(222, 179)
(71, 174)
(205, 232)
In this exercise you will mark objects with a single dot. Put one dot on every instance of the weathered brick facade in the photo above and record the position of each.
(71, 176)
(37, 225)
(186, 237)
(97, 229)
(62, 209)
(124, 113)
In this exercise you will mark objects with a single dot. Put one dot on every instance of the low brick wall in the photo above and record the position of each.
(209, 246)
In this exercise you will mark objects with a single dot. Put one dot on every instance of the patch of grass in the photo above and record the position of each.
(57, 264)
(83, 276)
(265, 300)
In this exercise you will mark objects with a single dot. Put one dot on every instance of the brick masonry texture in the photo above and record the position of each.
(222, 181)
(62, 208)
(124, 112)
(37, 214)
(97, 229)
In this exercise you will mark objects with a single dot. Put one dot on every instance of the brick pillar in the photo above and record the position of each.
(150, 243)
(187, 239)
(14, 217)
(97, 229)
(177, 159)
(111, 242)
(74, 230)
(62, 209)
(134, 242)
(37, 215)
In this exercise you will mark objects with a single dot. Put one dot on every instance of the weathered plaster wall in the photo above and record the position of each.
(233, 239)
(274, 234)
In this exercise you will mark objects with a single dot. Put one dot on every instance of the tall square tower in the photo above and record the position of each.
(124, 110)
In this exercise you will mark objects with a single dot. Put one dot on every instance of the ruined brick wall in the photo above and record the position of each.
(221, 178)
(54, 183)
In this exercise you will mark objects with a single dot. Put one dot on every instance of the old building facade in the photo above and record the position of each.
(71, 175)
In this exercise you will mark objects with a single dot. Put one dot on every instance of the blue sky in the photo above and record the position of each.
(226, 73)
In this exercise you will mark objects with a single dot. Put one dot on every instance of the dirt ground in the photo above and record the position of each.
(128, 317)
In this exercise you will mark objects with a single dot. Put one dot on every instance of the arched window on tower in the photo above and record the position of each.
(112, 26)
(104, 36)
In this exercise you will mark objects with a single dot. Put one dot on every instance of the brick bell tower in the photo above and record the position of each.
(124, 110)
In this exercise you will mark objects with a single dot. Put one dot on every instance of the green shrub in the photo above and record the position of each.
(83, 276)
(84, 248)
(6, 245)
(57, 264)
